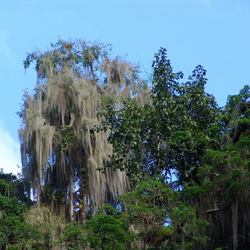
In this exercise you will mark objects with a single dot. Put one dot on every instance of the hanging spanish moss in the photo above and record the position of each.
(61, 150)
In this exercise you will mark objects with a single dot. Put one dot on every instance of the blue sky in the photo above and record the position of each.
(213, 33)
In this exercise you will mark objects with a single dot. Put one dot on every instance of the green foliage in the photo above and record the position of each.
(15, 232)
(73, 237)
(184, 120)
(227, 168)
(128, 137)
(64, 137)
(9, 204)
(160, 216)
(13, 186)
(108, 230)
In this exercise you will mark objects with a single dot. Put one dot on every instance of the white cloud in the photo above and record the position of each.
(9, 152)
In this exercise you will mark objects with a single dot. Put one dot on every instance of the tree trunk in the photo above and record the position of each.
(234, 208)
(71, 199)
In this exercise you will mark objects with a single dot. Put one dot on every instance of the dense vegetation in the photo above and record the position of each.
(110, 161)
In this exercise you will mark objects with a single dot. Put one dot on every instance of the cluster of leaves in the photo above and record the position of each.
(15, 232)
(160, 217)
(64, 137)
(108, 229)
(170, 133)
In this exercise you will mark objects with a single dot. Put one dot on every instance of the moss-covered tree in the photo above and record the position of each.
(61, 151)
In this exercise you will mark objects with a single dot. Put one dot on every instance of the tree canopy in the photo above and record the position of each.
(112, 161)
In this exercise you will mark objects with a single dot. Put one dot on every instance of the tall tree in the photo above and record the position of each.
(61, 151)
(168, 134)
(171, 134)
(225, 171)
